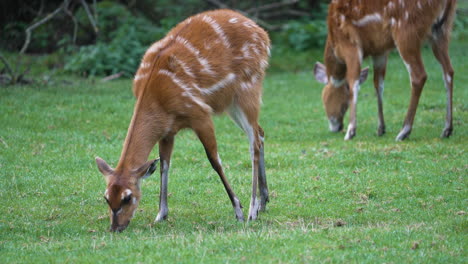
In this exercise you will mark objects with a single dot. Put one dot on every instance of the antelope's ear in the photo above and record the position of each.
(320, 73)
(364, 74)
(147, 169)
(103, 167)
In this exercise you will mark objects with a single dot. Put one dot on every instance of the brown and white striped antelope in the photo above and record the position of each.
(361, 28)
(211, 63)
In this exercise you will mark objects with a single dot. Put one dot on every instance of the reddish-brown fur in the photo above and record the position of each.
(208, 64)
(361, 28)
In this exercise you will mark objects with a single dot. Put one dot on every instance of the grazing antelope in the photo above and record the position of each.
(211, 63)
(360, 28)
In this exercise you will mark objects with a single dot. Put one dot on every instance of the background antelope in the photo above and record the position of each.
(210, 63)
(360, 28)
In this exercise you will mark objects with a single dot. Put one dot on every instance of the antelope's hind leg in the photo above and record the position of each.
(246, 117)
(440, 50)
(205, 132)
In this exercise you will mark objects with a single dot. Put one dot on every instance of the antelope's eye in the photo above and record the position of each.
(127, 199)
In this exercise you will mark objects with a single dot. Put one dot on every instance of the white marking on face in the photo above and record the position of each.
(106, 194)
(222, 83)
(141, 76)
(118, 212)
(217, 28)
(368, 19)
(337, 83)
(134, 200)
(333, 124)
(126, 193)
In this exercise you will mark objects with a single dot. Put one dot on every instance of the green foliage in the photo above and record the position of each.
(306, 35)
(369, 200)
(123, 38)
(460, 26)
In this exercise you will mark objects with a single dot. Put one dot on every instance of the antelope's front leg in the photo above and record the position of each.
(380, 65)
(353, 64)
(204, 129)
(165, 151)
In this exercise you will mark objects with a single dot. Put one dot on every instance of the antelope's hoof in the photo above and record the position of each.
(381, 131)
(447, 132)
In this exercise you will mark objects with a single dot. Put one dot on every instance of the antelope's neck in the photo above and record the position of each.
(145, 129)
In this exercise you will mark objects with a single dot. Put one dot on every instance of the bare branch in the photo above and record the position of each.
(262, 23)
(40, 22)
(271, 6)
(112, 77)
(75, 23)
(289, 12)
(90, 16)
(7, 65)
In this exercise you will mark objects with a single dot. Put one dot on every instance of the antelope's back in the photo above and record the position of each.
(374, 24)
(209, 58)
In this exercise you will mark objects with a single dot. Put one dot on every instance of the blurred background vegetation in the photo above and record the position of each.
(90, 37)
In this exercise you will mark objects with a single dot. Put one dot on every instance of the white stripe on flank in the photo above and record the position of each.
(227, 80)
(247, 85)
(196, 52)
(263, 64)
(186, 88)
(145, 65)
(368, 19)
(217, 28)
(233, 20)
(185, 67)
(158, 45)
(140, 76)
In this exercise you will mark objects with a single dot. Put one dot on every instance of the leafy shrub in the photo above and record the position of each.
(120, 46)
(303, 36)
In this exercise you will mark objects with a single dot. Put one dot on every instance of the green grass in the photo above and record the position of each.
(370, 200)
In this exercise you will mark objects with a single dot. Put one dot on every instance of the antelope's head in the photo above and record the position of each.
(123, 191)
(335, 95)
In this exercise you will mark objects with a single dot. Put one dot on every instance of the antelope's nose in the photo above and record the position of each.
(334, 125)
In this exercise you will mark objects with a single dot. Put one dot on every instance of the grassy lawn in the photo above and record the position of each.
(365, 201)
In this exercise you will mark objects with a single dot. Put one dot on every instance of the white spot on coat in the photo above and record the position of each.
(217, 28)
(219, 85)
(368, 19)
